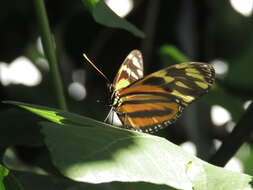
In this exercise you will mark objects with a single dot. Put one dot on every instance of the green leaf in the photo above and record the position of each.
(90, 4)
(11, 183)
(31, 181)
(3, 173)
(26, 134)
(57, 116)
(171, 55)
(7, 181)
(99, 155)
(89, 151)
(102, 14)
(107, 154)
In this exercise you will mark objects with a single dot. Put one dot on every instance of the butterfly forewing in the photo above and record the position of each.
(158, 99)
(130, 70)
(185, 81)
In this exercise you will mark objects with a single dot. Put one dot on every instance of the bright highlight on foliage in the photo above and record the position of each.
(230, 126)
(42, 63)
(247, 104)
(244, 7)
(20, 71)
(39, 45)
(219, 115)
(189, 147)
(122, 7)
(234, 165)
(77, 91)
(220, 67)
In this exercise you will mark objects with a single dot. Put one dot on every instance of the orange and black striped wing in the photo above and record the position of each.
(131, 70)
(158, 99)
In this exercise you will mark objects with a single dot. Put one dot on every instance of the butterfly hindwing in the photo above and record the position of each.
(158, 99)
(148, 112)
(130, 70)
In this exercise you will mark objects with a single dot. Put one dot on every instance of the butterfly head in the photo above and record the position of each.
(113, 95)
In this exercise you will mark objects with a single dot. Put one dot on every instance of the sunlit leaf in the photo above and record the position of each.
(56, 115)
(89, 151)
(102, 155)
(32, 181)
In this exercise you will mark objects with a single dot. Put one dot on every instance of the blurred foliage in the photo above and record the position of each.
(170, 55)
(195, 30)
(104, 15)
(3, 173)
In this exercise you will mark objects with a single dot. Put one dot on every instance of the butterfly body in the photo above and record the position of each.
(157, 100)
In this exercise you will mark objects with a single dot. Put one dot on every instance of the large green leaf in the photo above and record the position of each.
(98, 155)
(102, 14)
(57, 116)
(32, 181)
(89, 151)
(12, 133)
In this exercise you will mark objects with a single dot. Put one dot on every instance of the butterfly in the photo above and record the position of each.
(157, 100)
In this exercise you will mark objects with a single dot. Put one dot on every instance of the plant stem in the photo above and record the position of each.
(47, 42)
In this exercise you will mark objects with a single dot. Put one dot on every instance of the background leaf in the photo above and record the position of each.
(3, 173)
(102, 14)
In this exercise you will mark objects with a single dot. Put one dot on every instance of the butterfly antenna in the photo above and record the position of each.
(94, 66)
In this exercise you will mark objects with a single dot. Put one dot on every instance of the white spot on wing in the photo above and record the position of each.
(136, 62)
(130, 56)
(140, 72)
(132, 74)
